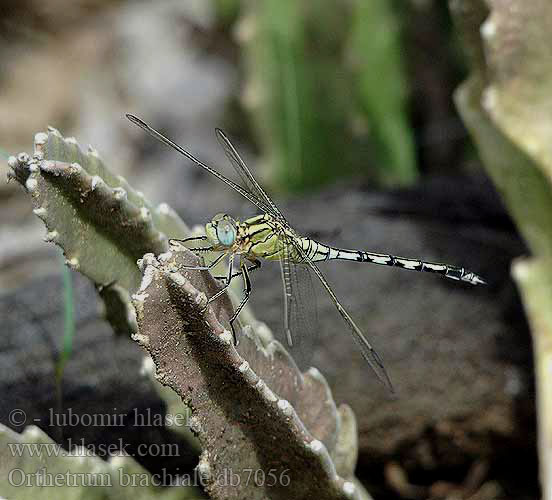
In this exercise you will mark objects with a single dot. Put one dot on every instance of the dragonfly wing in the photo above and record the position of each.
(253, 198)
(368, 352)
(246, 176)
(300, 311)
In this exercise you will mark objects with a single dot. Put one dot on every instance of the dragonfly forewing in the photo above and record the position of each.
(249, 182)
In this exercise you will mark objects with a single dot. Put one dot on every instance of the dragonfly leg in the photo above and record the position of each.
(193, 238)
(256, 265)
(246, 294)
(228, 281)
(185, 240)
(201, 249)
(205, 268)
(230, 277)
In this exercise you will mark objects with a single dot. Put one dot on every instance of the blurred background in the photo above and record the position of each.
(344, 110)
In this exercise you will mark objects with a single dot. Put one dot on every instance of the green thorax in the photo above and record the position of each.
(263, 237)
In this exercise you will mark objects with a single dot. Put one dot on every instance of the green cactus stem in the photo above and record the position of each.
(506, 104)
(102, 224)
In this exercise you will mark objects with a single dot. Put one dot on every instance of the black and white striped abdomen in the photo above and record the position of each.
(313, 250)
(319, 252)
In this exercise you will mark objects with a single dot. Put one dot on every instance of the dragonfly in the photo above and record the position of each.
(270, 237)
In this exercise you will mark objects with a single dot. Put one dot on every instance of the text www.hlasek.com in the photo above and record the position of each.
(79, 449)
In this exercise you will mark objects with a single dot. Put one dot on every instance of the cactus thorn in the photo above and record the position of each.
(316, 446)
(226, 337)
(23, 157)
(163, 209)
(119, 193)
(31, 184)
(73, 263)
(40, 139)
(349, 488)
(204, 468)
(145, 214)
(164, 257)
(54, 131)
(96, 181)
(49, 166)
(13, 162)
(144, 341)
(286, 407)
(40, 212)
(50, 235)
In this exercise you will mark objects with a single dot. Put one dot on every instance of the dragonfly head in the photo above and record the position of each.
(222, 230)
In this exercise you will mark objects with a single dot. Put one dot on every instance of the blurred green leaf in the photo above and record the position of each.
(294, 92)
(380, 88)
(227, 10)
(298, 61)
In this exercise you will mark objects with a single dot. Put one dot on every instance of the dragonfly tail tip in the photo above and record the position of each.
(474, 279)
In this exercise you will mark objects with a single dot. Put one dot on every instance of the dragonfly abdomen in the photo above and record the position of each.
(319, 252)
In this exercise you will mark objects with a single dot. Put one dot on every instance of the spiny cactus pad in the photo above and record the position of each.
(267, 431)
(101, 223)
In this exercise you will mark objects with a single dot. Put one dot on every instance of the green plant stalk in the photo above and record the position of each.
(297, 99)
(68, 322)
(379, 84)
(313, 71)
(291, 100)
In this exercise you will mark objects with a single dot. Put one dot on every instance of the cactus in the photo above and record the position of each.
(258, 420)
(80, 473)
(174, 406)
(100, 222)
(506, 105)
(267, 431)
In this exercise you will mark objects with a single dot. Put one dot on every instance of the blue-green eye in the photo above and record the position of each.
(226, 233)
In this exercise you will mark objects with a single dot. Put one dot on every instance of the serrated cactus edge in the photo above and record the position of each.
(102, 224)
(266, 430)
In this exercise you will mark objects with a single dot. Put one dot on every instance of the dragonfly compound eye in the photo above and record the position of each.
(226, 233)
